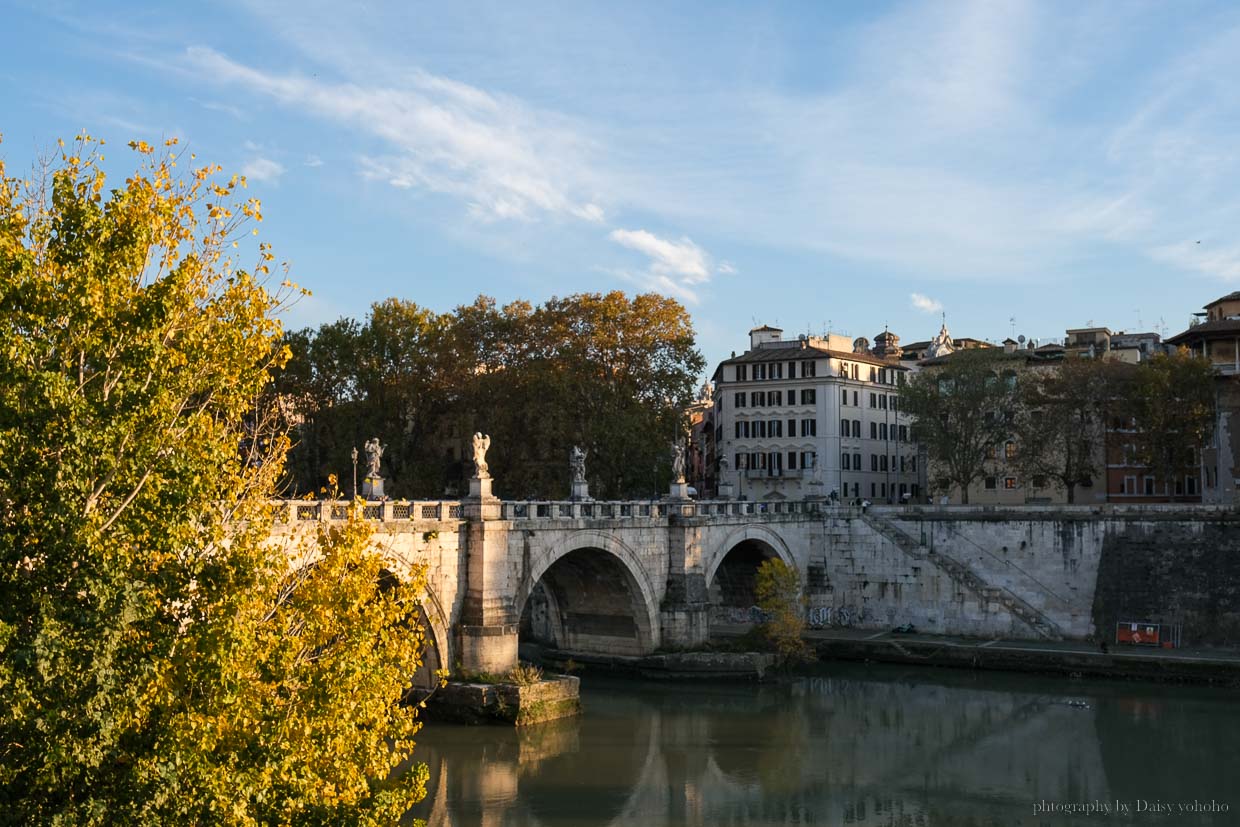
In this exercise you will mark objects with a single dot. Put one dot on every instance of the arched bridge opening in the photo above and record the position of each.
(426, 679)
(735, 582)
(588, 601)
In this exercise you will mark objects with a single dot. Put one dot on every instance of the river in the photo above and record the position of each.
(854, 744)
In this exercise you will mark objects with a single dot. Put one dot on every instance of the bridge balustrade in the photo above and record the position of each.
(303, 511)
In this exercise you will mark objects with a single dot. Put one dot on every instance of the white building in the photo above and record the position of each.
(812, 416)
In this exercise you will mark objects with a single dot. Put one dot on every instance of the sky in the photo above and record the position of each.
(1012, 167)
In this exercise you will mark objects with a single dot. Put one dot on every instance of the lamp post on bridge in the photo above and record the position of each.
(353, 454)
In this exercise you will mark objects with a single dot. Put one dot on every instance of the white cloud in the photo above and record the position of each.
(675, 267)
(313, 161)
(925, 304)
(503, 159)
(263, 169)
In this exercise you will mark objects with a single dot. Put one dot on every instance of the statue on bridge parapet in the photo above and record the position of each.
(372, 484)
(577, 468)
(678, 463)
(679, 489)
(481, 443)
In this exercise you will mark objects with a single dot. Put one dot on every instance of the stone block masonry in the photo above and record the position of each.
(633, 578)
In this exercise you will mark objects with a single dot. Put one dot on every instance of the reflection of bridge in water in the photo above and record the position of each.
(868, 746)
(631, 577)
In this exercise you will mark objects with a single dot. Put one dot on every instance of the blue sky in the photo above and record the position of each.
(811, 165)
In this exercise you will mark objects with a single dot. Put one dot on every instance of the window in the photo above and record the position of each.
(873, 400)
(792, 427)
(809, 459)
(738, 429)
(904, 433)
(991, 453)
(759, 372)
(777, 427)
(808, 396)
(873, 374)
(792, 460)
(873, 462)
(1190, 486)
(1130, 485)
(777, 371)
(741, 462)
(901, 468)
(912, 463)
(873, 430)
(742, 373)
(883, 490)
(809, 368)
(855, 402)
(792, 370)
(857, 427)
(809, 427)
(882, 431)
(882, 401)
(758, 398)
(873, 493)
(775, 398)
(843, 396)
(990, 483)
(1149, 485)
(856, 462)
(1009, 450)
(856, 374)
(882, 465)
(1039, 481)
(739, 399)
(761, 429)
(845, 462)
(1009, 483)
(891, 401)
(844, 429)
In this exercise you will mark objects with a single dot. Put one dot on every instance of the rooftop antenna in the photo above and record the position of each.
(1012, 325)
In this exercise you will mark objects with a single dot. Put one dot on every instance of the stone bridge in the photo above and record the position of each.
(632, 577)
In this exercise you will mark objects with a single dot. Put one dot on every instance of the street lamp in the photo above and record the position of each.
(353, 454)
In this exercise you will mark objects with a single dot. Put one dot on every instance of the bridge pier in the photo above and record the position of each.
(684, 612)
(487, 630)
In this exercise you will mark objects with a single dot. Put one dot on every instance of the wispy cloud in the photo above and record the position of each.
(505, 160)
(313, 161)
(925, 304)
(675, 267)
(263, 169)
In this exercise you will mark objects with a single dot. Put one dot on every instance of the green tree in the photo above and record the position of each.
(1060, 426)
(779, 595)
(607, 372)
(161, 662)
(1171, 402)
(962, 410)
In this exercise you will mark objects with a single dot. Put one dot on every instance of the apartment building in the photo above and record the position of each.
(813, 416)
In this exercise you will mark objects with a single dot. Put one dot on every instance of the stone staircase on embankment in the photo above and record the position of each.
(966, 577)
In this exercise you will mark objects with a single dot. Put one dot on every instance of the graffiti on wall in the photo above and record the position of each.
(817, 617)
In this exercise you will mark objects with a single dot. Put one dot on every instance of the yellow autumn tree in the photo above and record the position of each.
(162, 662)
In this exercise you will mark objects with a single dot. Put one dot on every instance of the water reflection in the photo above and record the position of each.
(856, 745)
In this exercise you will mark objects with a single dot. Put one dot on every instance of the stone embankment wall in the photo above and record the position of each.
(1076, 571)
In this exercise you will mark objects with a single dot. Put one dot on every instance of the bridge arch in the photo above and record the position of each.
(732, 565)
(437, 654)
(595, 592)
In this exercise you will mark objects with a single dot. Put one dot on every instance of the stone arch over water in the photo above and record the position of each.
(589, 594)
(732, 567)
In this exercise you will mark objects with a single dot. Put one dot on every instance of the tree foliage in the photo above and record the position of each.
(609, 373)
(961, 410)
(1061, 420)
(160, 660)
(779, 595)
(1170, 399)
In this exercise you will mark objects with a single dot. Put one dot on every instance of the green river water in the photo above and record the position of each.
(852, 745)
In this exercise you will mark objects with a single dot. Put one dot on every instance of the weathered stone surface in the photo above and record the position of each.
(631, 578)
(507, 703)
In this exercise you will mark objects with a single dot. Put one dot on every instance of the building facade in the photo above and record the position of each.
(814, 416)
